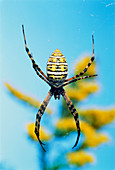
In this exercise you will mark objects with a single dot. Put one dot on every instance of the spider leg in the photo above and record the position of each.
(35, 66)
(42, 77)
(74, 113)
(80, 78)
(86, 68)
(39, 115)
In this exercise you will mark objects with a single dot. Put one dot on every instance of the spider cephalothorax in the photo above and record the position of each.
(57, 70)
(56, 92)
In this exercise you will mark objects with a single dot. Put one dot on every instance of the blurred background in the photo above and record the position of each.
(67, 25)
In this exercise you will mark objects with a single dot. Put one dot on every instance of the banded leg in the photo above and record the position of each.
(42, 77)
(35, 66)
(86, 68)
(74, 113)
(80, 78)
(39, 115)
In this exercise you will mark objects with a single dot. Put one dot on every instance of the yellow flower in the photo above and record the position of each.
(43, 135)
(98, 117)
(76, 93)
(88, 87)
(82, 90)
(25, 98)
(87, 129)
(92, 137)
(80, 66)
(95, 139)
(66, 124)
(79, 158)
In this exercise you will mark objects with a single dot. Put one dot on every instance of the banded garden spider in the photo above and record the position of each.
(57, 70)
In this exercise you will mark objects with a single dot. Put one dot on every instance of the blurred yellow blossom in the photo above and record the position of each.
(83, 63)
(89, 87)
(87, 129)
(82, 90)
(79, 158)
(31, 101)
(92, 137)
(95, 139)
(66, 124)
(98, 117)
(43, 135)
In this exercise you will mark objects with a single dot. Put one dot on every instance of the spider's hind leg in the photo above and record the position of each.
(74, 113)
(39, 115)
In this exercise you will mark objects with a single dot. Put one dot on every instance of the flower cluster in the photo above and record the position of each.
(79, 157)
(26, 99)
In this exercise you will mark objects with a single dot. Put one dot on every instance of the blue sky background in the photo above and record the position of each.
(67, 25)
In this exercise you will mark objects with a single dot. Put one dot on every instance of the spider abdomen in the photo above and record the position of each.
(57, 68)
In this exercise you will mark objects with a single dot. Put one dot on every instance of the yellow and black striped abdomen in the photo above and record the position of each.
(57, 68)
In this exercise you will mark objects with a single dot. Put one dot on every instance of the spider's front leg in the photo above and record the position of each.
(74, 113)
(37, 69)
(39, 115)
(86, 68)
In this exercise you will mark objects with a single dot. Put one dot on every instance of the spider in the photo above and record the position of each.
(57, 70)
